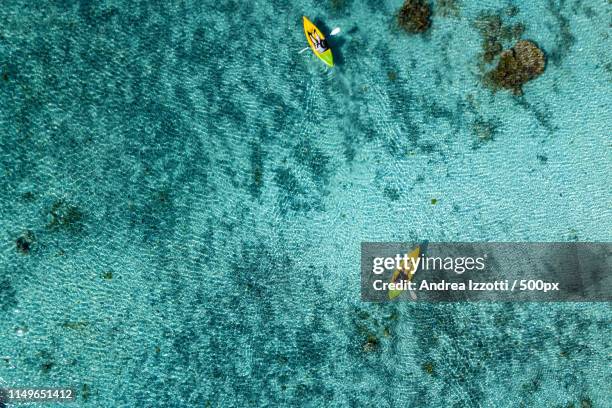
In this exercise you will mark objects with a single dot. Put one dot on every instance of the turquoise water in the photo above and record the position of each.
(191, 193)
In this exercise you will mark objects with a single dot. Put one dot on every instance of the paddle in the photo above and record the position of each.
(335, 31)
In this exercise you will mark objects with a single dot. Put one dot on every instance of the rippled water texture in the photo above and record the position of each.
(183, 198)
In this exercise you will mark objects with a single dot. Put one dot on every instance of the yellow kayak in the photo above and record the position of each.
(317, 42)
(405, 271)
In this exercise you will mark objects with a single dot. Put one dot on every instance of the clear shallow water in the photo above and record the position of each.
(197, 191)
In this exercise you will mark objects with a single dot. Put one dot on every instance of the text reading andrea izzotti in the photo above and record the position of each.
(492, 271)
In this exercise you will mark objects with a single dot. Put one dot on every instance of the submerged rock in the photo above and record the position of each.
(24, 242)
(414, 16)
(518, 65)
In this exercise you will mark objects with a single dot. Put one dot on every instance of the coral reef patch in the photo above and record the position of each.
(414, 16)
(518, 65)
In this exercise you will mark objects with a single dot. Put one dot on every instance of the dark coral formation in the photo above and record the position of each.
(64, 215)
(371, 343)
(24, 242)
(491, 47)
(47, 361)
(523, 62)
(414, 16)
(494, 33)
(428, 368)
(517, 65)
(374, 328)
(391, 193)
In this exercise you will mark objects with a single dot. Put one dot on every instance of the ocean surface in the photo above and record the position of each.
(183, 196)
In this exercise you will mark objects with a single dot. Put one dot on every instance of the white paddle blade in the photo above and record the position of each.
(301, 51)
(335, 31)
